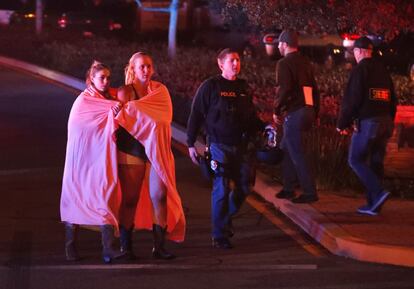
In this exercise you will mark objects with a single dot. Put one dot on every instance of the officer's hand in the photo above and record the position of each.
(355, 128)
(277, 119)
(342, 131)
(192, 152)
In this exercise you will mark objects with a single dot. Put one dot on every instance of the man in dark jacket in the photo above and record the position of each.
(296, 104)
(369, 105)
(223, 106)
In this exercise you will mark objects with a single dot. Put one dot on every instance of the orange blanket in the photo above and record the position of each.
(90, 189)
(149, 121)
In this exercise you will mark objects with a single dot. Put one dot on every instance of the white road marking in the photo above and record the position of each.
(173, 267)
(27, 170)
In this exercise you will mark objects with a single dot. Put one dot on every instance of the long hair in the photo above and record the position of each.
(129, 69)
(93, 69)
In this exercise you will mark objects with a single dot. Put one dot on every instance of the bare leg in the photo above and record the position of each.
(158, 194)
(131, 178)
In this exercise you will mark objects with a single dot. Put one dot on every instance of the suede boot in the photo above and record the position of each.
(158, 251)
(71, 232)
(126, 243)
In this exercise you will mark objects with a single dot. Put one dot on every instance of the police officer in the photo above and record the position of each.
(296, 105)
(223, 106)
(369, 105)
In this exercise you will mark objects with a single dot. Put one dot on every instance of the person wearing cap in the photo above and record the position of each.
(296, 105)
(224, 107)
(369, 107)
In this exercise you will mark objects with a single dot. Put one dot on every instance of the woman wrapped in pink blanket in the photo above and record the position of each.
(132, 187)
(90, 188)
(146, 164)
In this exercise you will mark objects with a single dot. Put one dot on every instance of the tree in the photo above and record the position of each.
(383, 17)
(172, 28)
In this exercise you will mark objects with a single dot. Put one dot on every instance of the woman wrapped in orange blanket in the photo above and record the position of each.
(146, 164)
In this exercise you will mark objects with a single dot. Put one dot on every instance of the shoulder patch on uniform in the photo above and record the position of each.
(380, 94)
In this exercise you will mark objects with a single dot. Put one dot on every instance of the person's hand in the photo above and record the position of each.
(277, 119)
(116, 108)
(192, 152)
(355, 128)
(342, 131)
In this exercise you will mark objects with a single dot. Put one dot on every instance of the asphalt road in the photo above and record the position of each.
(33, 117)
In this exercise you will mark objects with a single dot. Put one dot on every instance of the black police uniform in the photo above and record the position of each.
(228, 115)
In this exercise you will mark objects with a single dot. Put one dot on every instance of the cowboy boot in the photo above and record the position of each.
(126, 242)
(71, 232)
(158, 251)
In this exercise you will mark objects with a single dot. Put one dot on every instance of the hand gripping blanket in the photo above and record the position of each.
(148, 119)
(90, 189)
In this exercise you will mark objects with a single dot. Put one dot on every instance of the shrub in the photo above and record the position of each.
(184, 74)
(328, 153)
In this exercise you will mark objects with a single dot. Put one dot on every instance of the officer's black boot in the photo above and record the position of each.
(108, 252)
(71, 231)
(158, 251)
(126, 243)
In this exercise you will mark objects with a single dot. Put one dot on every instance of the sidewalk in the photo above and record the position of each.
(332, 221)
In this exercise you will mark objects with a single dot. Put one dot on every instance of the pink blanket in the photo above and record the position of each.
(149, 121)
(90, 190)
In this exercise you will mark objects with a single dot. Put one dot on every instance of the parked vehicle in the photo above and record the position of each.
(88, 22)
(398, 54)
(5, 16)
(318, 48)
(24, 13)
(28, 17)
(7, 9)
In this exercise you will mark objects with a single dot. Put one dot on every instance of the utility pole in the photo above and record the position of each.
(39, 17)
(172, 28)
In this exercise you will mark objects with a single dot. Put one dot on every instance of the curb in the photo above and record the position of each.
(50, 74)
(178, 132)
(331, 236)
(328, 234)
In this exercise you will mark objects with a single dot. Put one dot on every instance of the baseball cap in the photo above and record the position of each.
(290, 37)
(364, 42)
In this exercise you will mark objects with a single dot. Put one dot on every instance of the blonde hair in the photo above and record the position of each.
(129, 69)
(93, 69)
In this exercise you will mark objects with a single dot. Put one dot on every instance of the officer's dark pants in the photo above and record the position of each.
(367, 152)
(294, 165)
(234, 165)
